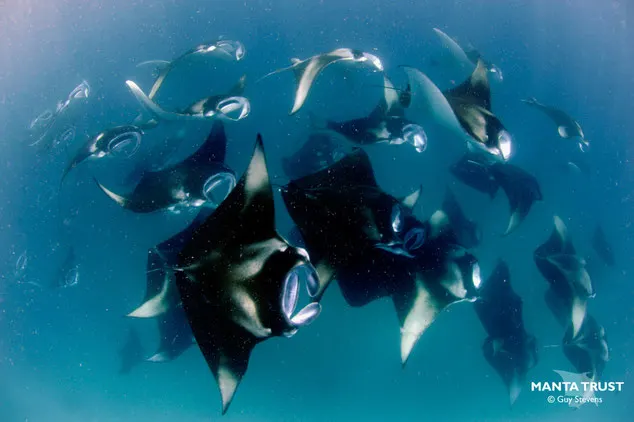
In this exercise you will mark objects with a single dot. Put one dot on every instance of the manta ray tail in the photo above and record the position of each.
(295, 62)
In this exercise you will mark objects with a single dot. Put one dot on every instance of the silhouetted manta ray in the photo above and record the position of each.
(567, 127)
(356, 220)
(588, 351)
(319, 151)
(521, 188)
(474, 171)
(239, 280)
(509, 349)
(465, 110)
(200, 179)
(374, 247)
(570, 284)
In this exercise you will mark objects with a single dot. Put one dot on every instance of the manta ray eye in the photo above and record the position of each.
(303, 273)
(415, 136)
(125, 144)
(234, 108)
(397, 218)
(504, 144)
(218, 187)
(414, 239)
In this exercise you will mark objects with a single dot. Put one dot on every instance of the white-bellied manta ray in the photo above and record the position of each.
(239, 281)
(225, 49)
(306, 71)
(465, 110)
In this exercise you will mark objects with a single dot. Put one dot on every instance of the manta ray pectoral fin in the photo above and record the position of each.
(428, 100)
(417, 310)
(411, 200)
(157, 305)
(119, 199)
(456, 51)
(151, 106)
(514, 221)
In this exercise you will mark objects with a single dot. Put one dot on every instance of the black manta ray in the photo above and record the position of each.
(467, 232)
(475, 171)
(385, 124)
(239, 280)
(521, 188)
(570, 284)
(567, 127)
(318, 152)
(201, 178)
(374, 247)
(332, 199)
(588, 351)
(509, 349)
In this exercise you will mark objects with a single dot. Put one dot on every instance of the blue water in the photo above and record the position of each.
(58, 348)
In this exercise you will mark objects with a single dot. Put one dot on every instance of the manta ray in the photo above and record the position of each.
(370, 242)
(570, 283)
(239, 281)
(465, 110)
(509, 349)
(306, 71)
(201, 179)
